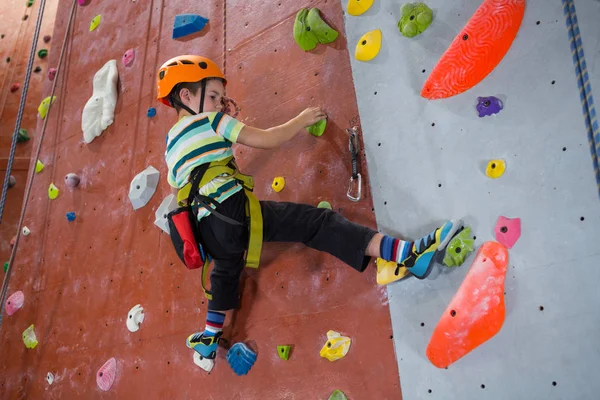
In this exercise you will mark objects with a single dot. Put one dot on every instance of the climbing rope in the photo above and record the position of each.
(584, 84)
(225, 40)
(4, 290)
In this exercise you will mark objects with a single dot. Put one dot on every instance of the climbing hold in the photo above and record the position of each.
(44, 105)
(476, 312)
(508, 231)
(29, 337)
(278, 184)
(143, 186)
(488, 106)
(51, 73)
(477, 49)
(39, 166)
(53, 191)
(71, 216)
(72, 180)
(416, 17)
(22, 136)
(14, 87)
(495, 168)
(7, 59)
(318, 128)
(284, 352)
(42, 53)
(105, 377)
(324, 33)
(324, 204)
(204, 363)
(12, 181)
(310, 29)
(29, 3)
(338, 395)
(50, 378)
(99, 112)
(368, 46)
(47, 38)
(389, 271)
(358, 7)
(188, 24)
(151, 112)
(95, 22)
(5, 266)
(241, 358)
(14, 302)
(128, 58)
(336, 347)
(459, 248)
(168, 204)
(37, 69)
(82, 2)
(26, 231)
(25, 17)
(135, 317)
(13, 241)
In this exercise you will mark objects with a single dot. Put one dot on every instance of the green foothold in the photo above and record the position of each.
(416, 17)
(29, 3)
(5, 266)
(23, 136)
(459, 248)
(338, 395)
(324, 204)
(42, 53)
(318, 128)
(324, 33)
(284, 352)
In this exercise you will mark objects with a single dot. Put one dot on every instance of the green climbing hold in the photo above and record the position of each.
(5, 266)
(310, 29)
(416, 17)
(459, 248)
(318, 128)
(42, 53)
(324, 33)
(338, 395)
(284, 352)
(23, 136)
(324, 204)
(29, 3)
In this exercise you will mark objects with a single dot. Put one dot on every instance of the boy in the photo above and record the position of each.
(195, 86)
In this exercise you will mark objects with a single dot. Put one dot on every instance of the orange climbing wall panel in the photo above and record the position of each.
(81, 278)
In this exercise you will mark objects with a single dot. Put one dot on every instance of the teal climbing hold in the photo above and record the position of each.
(188, 24)
(416, 17)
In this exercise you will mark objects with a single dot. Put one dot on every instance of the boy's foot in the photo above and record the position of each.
(206, 346)
(420, 260)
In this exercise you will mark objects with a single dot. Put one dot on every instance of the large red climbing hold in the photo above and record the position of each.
(105, 377)
(476, 313)
(477, 50)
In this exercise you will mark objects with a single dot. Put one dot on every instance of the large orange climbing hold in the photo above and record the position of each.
(476, 313)
(477, 50)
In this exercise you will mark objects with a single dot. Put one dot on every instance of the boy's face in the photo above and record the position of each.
(213, 97)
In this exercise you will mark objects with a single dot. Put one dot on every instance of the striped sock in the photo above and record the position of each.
(392, 249)
(214, 323)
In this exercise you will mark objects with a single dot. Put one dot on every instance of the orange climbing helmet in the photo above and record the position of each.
(186, 68)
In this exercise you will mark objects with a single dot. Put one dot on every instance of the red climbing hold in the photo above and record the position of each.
(51, 73)
(47, 38)
(15, 87)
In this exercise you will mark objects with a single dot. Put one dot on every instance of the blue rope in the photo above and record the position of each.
(585, 86)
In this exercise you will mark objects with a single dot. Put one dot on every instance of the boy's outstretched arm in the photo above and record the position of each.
(276, 136)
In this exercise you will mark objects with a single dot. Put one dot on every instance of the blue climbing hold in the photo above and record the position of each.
(151, 112)
(187, 24)
(71, 216)
(240, 358)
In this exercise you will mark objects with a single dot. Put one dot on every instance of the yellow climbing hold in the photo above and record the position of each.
(358, 7)
(336, 347)
(44, 105)
(39, 166)
(52, 191)
(95, 22)
(29, 337)
(368, 46)
(386, 271)
(495, 168)
(278, 184)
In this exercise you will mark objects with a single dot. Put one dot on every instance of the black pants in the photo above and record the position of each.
(318, 228)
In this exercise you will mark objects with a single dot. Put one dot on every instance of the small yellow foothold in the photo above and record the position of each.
(95, 22)
(368, 46)
(29, 337)
(39, 166)
(358, 7)
(386, 271)
(52, 191)
(495, 168)
(278, 184)
(44, 105)
(336, 347)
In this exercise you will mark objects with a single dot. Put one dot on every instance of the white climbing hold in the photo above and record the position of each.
(50, 378)
(203, 363)
(135, 317)
(99, 111)
(168, 204)
(26, 231)
(143, 187)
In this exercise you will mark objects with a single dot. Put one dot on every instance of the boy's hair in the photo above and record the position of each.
(193, 87)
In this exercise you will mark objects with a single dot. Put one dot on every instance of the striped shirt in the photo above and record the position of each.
(200, 139)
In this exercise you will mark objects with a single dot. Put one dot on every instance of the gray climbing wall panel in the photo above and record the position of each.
(426, 163)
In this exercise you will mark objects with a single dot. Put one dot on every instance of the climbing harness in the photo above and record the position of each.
(356, 179)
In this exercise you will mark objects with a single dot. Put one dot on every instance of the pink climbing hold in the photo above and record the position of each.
(47, 38)
(51, 73)
(128, 58)
(14, 302)
(83, 2)
(15, 87)
(105, 377)
(72, 180)
(508, 231)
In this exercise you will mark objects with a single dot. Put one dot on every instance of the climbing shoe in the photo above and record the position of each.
(206, 346)
(421, 258)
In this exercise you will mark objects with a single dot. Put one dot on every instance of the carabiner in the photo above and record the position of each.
(352, 180)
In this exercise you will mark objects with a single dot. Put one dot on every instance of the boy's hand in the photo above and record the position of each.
(311, 116)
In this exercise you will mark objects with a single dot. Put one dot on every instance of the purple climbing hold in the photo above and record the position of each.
(187, 24)
(488, 106)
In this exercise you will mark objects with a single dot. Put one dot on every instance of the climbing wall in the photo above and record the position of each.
(80, 278)
(427, 160)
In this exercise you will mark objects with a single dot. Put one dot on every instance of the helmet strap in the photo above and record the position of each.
(186, 108)
(202, 93)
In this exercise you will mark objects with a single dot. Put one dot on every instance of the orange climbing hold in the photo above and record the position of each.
(476, 313)
(477, 50)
